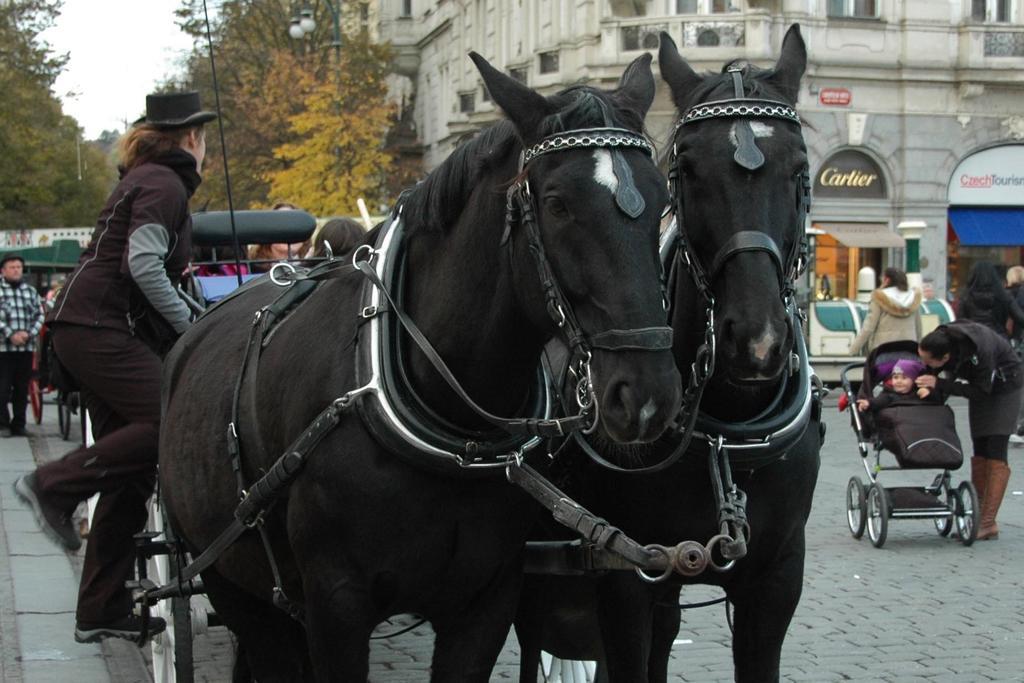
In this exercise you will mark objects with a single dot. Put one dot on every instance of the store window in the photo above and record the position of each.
(856, 9)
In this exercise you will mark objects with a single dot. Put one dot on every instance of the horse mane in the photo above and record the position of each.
(755, 83)
(436, 202)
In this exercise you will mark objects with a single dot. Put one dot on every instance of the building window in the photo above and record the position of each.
(549, 62)
(641, 37)
(858, 9)
(701, 6)
(992, 10)
(406, 10)
(521, 74)
(467, 102)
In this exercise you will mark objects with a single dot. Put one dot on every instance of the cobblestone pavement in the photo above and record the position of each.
(922, 608)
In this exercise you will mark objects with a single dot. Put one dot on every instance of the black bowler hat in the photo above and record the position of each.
(174, 110)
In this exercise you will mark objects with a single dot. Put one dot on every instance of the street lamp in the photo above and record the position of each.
(304, 24)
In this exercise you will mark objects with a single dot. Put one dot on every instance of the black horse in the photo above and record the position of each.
(739, 172)
(363, 532)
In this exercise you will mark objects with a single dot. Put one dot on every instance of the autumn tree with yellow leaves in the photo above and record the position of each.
(337, 155)
(302, 124)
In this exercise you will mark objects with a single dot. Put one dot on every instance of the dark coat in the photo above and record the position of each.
(100, 292)
(990, 377)
(991, 308)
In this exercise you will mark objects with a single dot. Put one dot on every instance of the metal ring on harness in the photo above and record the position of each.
(655, 548)
(370, 253)
(715, 540)
(281, 264)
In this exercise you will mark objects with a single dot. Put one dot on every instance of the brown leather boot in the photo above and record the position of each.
(995, 488)
(979, 476)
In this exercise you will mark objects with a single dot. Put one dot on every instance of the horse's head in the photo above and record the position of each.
(588, 199)
(740, 178)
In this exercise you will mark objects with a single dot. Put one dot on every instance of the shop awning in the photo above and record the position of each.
(870, 235)
(988, 227)
(61, 255)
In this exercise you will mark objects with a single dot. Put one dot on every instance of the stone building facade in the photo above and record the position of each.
(903, 90)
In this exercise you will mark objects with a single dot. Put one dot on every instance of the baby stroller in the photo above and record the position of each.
(921, 437)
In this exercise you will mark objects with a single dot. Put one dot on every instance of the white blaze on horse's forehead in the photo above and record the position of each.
(761, 130)
(604, 172)
(760, 348)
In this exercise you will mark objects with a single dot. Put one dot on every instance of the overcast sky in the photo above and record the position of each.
(118, 49)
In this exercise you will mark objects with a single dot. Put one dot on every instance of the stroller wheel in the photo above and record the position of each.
(966, 515)
(944, 525)
(856, 507)
(878, 514)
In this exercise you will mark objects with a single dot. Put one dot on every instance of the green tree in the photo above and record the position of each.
(43, 156)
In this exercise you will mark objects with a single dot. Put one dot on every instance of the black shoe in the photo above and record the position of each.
(17, 431)
(128, 628)
(54, 523)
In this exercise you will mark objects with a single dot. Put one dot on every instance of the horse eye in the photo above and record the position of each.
(555, 206)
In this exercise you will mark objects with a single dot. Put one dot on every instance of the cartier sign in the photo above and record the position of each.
(850, 175)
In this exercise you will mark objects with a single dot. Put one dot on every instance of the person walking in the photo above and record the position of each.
(980, 365)
(112, 322)
(986, 301)
(894, 314)
(21, 316)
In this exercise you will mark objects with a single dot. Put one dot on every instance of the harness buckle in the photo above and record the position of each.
(368, 312)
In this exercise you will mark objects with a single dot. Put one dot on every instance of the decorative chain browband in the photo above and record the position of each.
(588, 137)
(741, 107)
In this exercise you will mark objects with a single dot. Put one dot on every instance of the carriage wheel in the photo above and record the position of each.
(944, 525)
(878, 514)
(63, 415)
(35, 396)
(856, 507)
(966, 515)
(555, 670)
(172, 649)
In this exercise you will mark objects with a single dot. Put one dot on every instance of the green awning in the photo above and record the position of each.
(61, 255)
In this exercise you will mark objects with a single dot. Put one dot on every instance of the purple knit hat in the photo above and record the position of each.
(908, 367)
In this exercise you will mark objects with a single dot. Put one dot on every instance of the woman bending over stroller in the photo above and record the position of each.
(980, 365)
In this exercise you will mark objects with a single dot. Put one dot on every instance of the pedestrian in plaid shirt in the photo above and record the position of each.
(21, 315)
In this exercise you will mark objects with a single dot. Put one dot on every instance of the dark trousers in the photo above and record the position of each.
(15, 373)
(120, 386)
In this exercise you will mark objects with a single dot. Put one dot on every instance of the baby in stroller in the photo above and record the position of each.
(899, 386)
(913, 424)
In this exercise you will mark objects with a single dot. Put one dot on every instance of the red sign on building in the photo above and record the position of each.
(835, 97)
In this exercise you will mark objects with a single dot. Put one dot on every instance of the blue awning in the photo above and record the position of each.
(988, 227)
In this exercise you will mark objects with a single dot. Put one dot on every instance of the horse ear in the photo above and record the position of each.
(637, 84)
(677, 73)
(791, 65)
(523, 106)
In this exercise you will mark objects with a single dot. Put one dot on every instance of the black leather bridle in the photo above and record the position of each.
(789, 266)
(520, 210)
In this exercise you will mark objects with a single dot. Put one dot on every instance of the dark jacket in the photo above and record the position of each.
(991, 308)
(983, 359)
(126, 277)
(1016, 293)
(888, 398)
